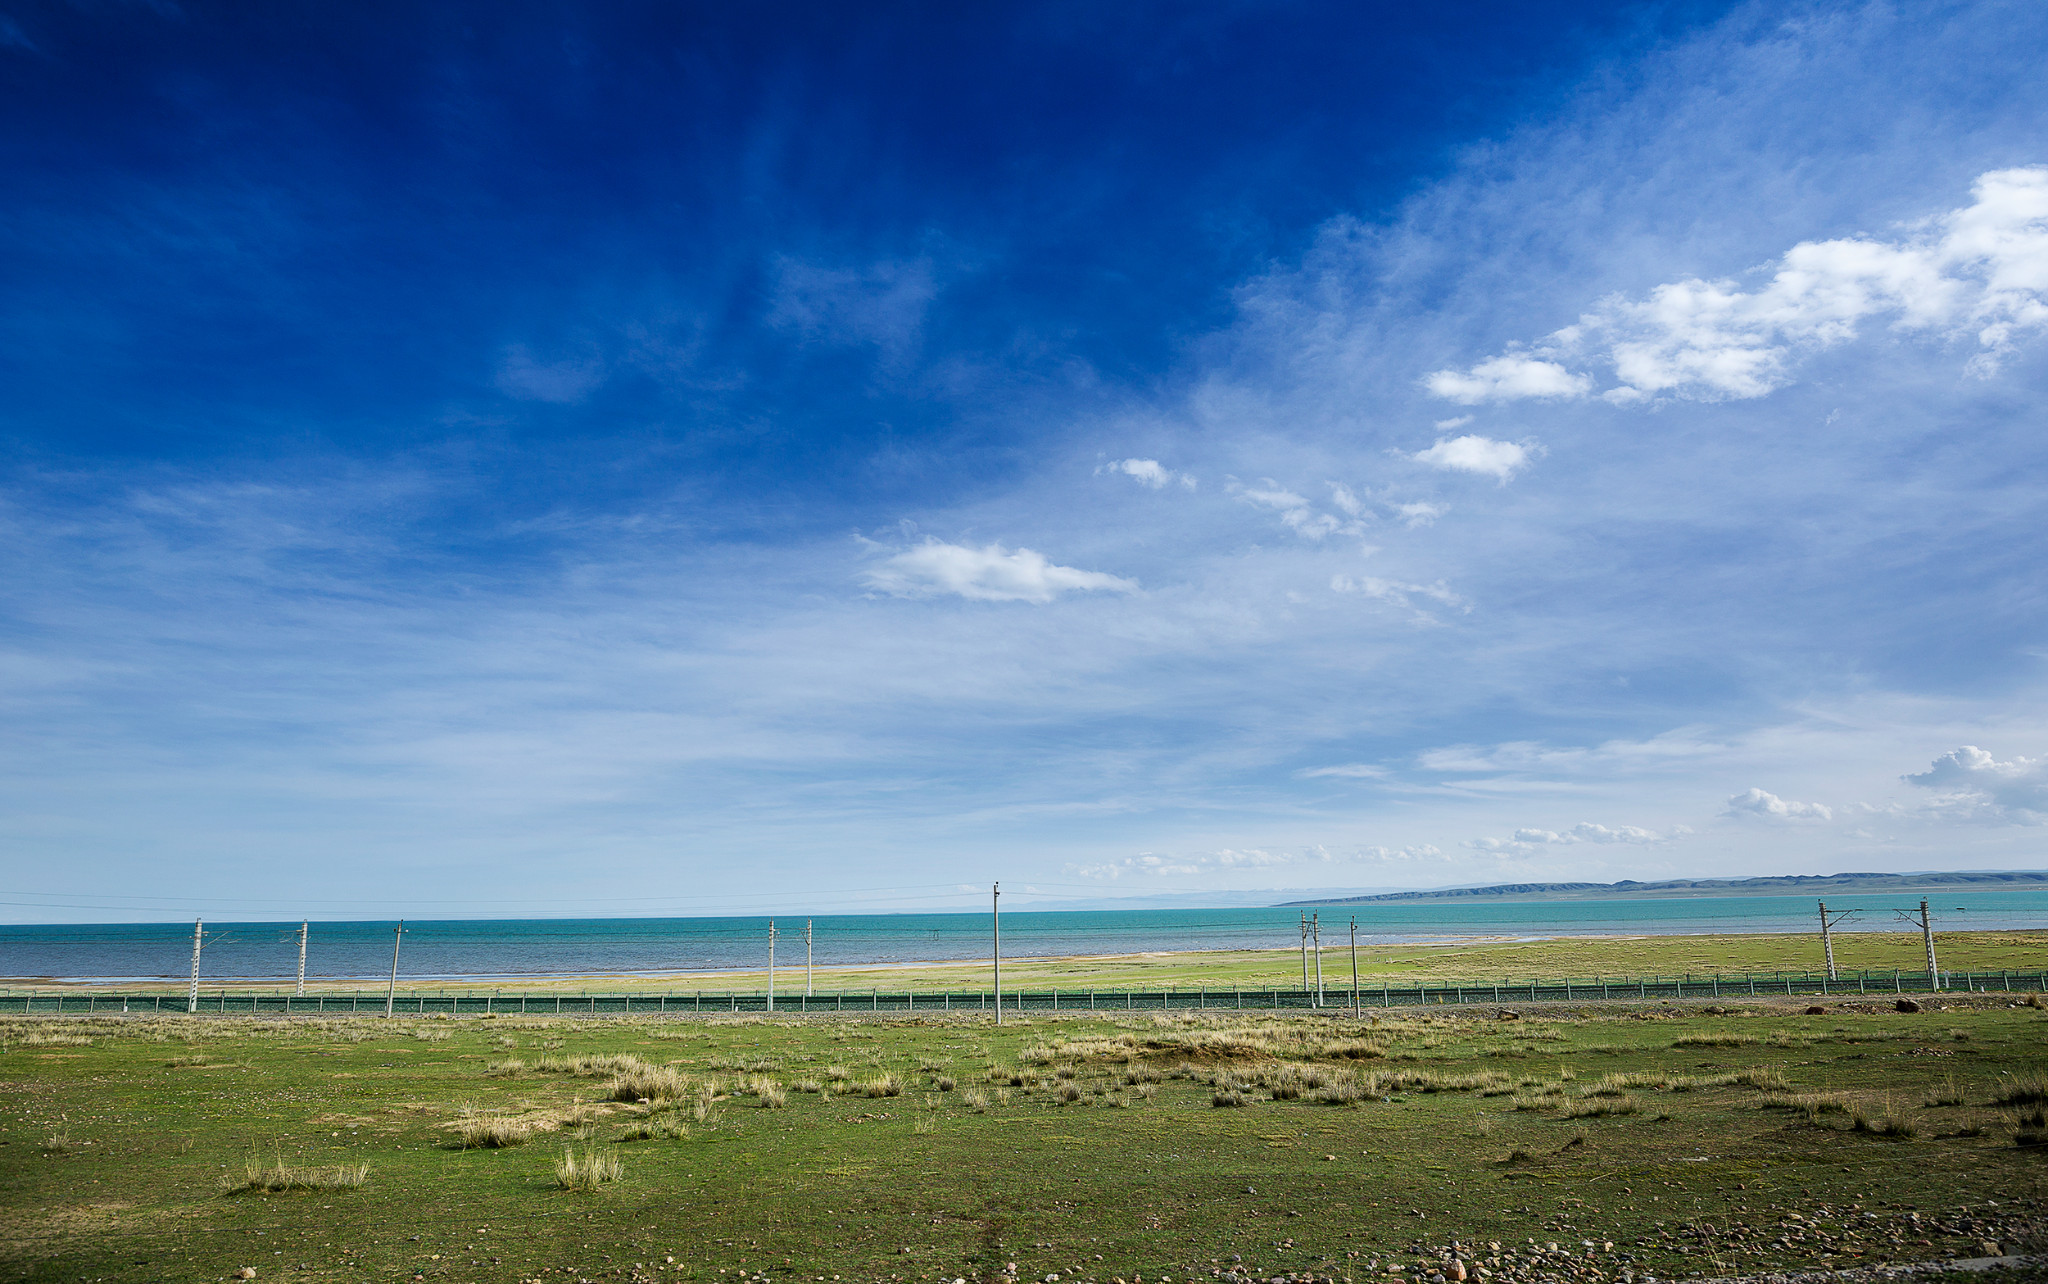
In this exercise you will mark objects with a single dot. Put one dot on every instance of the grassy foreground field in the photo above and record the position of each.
(1583, 1142)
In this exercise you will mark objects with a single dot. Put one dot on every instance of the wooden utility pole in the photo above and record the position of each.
(192, 995)
(771, 965)
(391, 995)
(1315, 930)
(302, 958)
(807, 958)
(995, 917)
(1354, 964)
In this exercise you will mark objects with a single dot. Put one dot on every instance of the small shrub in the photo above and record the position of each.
(945, 1083)
(770, 1095)
(589, 1170)
(1230, 1097)
(974, 1099)
(59, 1143)
(1069, 1094)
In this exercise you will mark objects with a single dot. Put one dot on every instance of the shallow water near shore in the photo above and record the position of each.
(513, 948)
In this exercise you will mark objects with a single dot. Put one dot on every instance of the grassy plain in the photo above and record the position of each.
(1664, 1138)
(1482, 961)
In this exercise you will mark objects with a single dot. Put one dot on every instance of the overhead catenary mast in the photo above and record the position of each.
(995, 918)
(301, 990)
(771, 965)
(391, 995)
(192, 995)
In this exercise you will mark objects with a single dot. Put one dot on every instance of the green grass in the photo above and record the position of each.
(1472, 962)
(927, 1149)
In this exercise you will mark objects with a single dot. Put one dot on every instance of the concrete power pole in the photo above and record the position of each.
(1315, 931)
(771, 965)
(1927, 935)
(1354, 964)
(1926, 922)
(302, 959)
(807, 958)
(1304, 953)
(1827, 942)
(391, 995)
(995, 918)
(192, 995)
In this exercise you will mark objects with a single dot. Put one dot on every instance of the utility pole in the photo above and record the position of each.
(807, 958)
(1926, 922)
(192, 995)
(1354, 963)
(1927, 935)
(771, 965)
(1304, 953)
(391, 995)
(302, 958)
(1827, 942)
(995, 916)
(1315, 930)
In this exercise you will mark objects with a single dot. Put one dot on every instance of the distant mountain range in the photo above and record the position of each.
(1772, 886)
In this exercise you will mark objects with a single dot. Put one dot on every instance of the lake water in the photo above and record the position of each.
(512, 949)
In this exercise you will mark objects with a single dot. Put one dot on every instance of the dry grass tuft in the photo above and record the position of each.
(282, 1177)
(887, 1085)
(1604, 1107)
(589, 1170)
(2021, 1090)
(644, 1082)
(493, 1132)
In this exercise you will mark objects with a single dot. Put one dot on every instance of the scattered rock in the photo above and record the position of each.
(1906, 1005)
(246, 1273)
(1816, 1010)
(1509, 1014)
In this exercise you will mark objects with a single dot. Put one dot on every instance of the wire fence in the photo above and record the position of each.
(413, 1002)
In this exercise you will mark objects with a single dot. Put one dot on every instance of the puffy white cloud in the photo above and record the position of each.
(1419, 851)
(1472, 453)
(1978, 272)
(1973, 785)
(1759, 805)
(988, 574)
(1148, 472)
(1511, 377)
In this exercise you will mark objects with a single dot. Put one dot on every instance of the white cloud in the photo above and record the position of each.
(1419, 513)
(1973, 785)
(1201, 862)
(1533, 756)
(1446, 425)
(988, 574)
(1527, 840)
(1419, 851)
(1147, 472)
(1980, 272)
(1475, 454)
(1400, 594)
(1296, 512)
(1346, 771)
(1510, 377)
(1760, 805)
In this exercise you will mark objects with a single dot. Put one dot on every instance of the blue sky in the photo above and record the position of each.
(667, 458)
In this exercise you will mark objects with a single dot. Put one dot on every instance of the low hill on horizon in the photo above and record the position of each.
(1774, 885)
